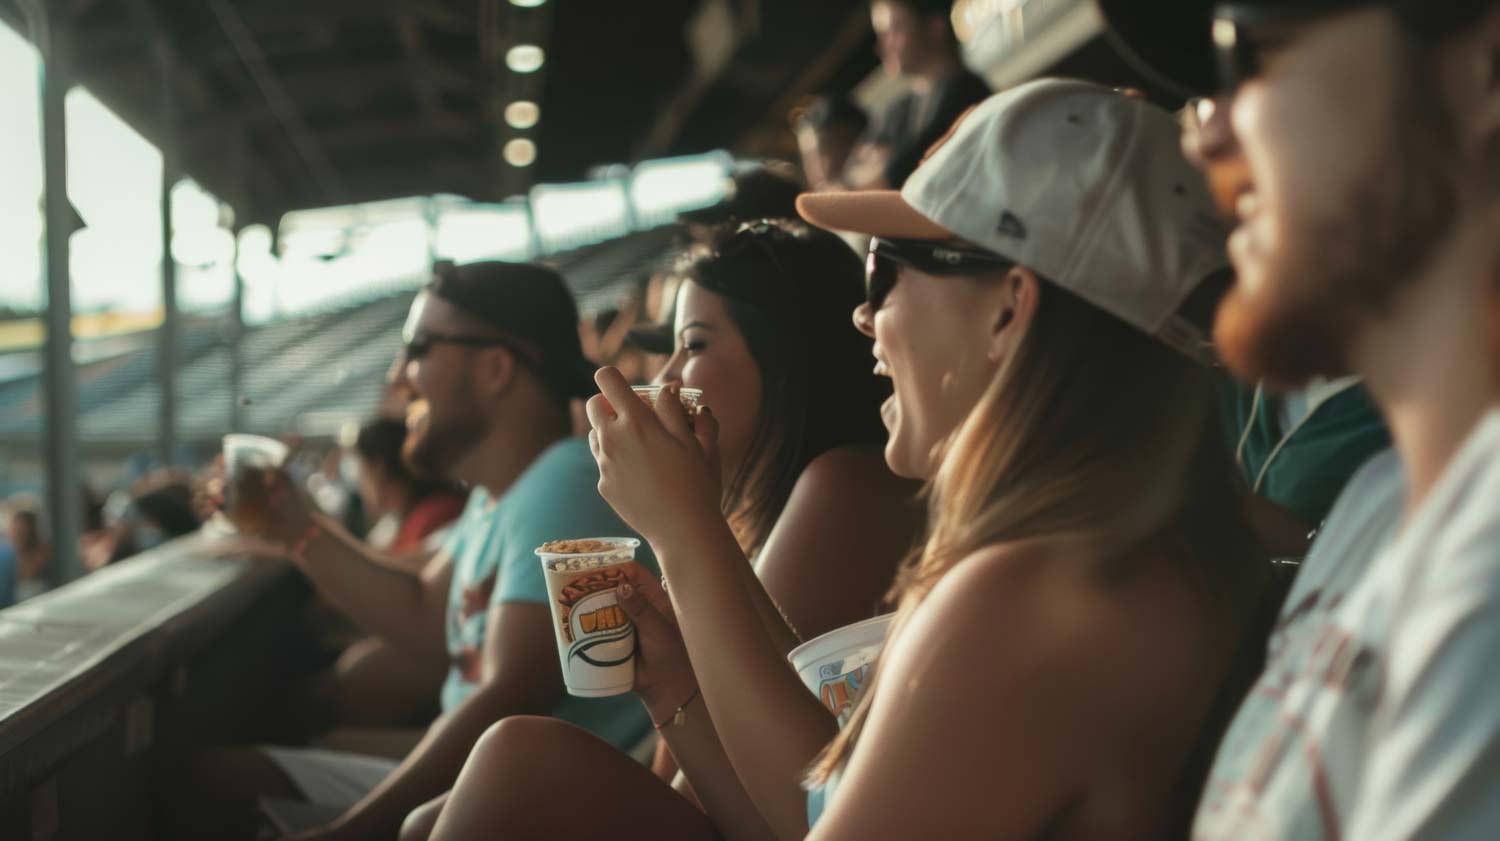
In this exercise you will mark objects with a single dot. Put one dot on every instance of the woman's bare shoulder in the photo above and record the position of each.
(852, 485)
(1036, 612)
(854, 466)
(1017, 604)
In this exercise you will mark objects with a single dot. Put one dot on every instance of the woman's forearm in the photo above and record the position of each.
(782, 635)
(695, 746)
(770, 726)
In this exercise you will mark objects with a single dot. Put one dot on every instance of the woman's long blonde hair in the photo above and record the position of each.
(1090, 428)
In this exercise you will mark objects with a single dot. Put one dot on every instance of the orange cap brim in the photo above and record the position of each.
(878, 213)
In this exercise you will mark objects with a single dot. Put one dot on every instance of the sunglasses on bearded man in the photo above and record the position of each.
(1245, 33)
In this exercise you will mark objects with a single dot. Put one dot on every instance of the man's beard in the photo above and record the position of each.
(1334, 275)
(438, 444)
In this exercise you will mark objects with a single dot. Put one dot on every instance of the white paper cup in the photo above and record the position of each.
(247, 460)
(254, 451)
(836, 666)
(595, 637)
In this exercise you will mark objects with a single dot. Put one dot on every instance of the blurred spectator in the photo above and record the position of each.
(1298, 450)
(33, 552)
(827, 129)
(92, 510)
(7, 572)
(333, 487)
(658, 338)
(915, 41)
(157, 508)
(417, 510)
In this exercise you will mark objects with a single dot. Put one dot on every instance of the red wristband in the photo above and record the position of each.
(300, 546)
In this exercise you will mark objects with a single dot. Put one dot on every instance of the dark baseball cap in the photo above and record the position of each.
(529, 305)
(756, 194)
(653, 338)
(1172, 41)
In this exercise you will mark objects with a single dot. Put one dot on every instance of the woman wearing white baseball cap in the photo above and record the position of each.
(1054, 668)
(1089, 572)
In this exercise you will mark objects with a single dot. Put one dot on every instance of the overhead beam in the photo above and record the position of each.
(272, 17)
(331, 88)
(385, 131)
(276, 96)
(416, 61)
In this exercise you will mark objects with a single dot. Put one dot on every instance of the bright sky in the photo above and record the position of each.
(114, 178)
(21, 176)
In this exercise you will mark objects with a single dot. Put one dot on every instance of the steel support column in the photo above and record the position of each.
(237, 345)
(239, 158)
(167, 346)
(64, 467)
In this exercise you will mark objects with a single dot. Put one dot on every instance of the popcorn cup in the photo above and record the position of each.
(595, 637)
(836, 666)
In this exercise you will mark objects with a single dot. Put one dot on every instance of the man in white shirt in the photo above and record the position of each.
(1366, 142)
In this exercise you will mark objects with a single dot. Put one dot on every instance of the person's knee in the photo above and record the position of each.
(419, 823)
(514, 738)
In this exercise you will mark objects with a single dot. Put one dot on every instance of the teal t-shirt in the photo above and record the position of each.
(494, 562)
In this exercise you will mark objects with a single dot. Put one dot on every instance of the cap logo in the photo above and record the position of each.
(948, 256)
(1010, 226)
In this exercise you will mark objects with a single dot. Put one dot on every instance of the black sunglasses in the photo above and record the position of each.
(760, 235)
(1240, 34)
(932, 258)
(421, 342)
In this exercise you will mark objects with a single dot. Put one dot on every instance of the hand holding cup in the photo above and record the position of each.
(260, 499)
(663, 674)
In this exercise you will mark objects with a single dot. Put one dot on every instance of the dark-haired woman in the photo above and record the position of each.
(762, 328)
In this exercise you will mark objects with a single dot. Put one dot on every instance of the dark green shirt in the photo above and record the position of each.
(1304, 468)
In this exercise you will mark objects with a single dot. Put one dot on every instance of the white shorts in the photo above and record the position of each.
(332, 778)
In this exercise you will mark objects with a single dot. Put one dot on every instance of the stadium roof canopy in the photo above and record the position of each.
(276, 105)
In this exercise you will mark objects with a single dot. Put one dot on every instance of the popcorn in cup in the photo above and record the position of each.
(836, 666)
(595, 637)
(690, 396)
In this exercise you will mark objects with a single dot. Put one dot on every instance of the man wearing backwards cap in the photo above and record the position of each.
(493, 358)
(1367, 244)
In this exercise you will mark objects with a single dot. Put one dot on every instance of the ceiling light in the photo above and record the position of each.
(522, 114)
(525, 58)
(520, 152)
(527, 4)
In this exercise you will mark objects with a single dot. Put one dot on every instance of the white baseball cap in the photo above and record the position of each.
(1082, 184)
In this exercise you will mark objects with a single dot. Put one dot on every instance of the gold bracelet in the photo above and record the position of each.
(677, 717)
